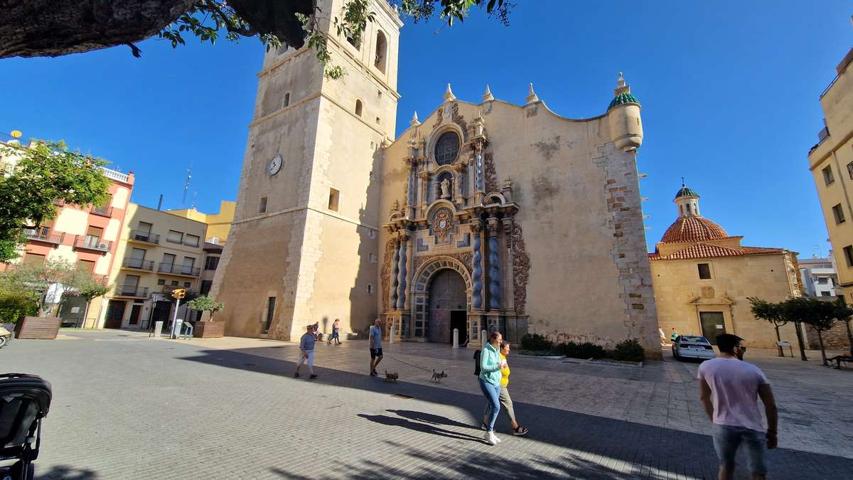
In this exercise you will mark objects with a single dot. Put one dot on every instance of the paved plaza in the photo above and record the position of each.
(129, 407)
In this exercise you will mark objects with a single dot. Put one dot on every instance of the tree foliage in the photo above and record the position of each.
(40, 176)
(205, 304)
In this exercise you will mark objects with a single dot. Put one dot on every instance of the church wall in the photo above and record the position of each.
(677, 286)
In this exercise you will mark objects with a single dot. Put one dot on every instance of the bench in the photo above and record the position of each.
(839, 359)
(783, 345)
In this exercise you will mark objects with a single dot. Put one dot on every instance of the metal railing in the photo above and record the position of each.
(44, 235)
(132, 291)
(92, 243)
(103, 211)
(141, 236)
(178, 269)
(138, 263)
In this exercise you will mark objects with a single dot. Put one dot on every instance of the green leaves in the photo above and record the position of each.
(205, 304)
(821, 315)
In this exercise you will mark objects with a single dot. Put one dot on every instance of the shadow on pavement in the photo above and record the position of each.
(643, 448)
(65, 472)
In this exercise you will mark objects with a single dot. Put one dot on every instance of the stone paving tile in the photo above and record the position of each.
(127, 407)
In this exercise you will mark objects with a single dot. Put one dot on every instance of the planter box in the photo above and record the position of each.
(44, 328)
(209, 330)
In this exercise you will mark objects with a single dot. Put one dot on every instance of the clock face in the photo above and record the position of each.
(275, 165)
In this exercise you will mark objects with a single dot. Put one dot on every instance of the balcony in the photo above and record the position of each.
(44, 235)
(104, 211)
(133, 291)
(86, 242)
(138, 264)
(144, 237)
(183, 270)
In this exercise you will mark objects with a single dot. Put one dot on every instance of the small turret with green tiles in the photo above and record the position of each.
(623, 94)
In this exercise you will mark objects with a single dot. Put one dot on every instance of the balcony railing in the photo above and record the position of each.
(132, 291)
(141, 236)
(103, 211)
(138, 263)
(44, 235)
(92, 243)
(173, 269)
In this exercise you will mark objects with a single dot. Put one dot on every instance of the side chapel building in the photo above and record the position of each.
(483, 214)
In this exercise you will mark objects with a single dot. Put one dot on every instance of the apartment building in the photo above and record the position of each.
(158, 253)
(218, 224)
(819, 277)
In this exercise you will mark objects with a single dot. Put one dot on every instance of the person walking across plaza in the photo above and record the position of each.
(374, 340)
(336, 330)
(490, 382)
(504, 398)
(306, 348)
(729, 391)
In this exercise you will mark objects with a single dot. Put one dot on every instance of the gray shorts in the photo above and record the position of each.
(727, 439)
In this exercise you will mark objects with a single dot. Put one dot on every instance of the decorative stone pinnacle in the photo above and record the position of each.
(487, 95)
(415, 122)
(531, 95)
(621, 85)
(448, 95)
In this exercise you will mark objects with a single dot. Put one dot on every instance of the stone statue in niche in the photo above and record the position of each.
(445, 188)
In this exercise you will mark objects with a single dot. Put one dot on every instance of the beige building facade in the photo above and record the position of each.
(218, 224)
(703, 277)
(484, 214)
(831, 164)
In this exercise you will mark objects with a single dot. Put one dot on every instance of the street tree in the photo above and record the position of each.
(773, 313)
(205, 304)
(45, 281)
(74, 26)
(844, 313)
(819, 315)
(39, 176)
(85, 285)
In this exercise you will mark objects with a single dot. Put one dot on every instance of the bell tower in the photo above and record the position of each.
(303, 246)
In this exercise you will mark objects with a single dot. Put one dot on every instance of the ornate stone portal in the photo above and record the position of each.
(449, 220)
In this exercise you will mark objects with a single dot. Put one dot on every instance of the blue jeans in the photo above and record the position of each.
(493, 394)
(727, 439)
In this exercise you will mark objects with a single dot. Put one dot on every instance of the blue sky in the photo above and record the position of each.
(729, 91)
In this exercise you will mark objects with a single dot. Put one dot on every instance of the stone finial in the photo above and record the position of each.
(531, 95)
(621, 85)
(487, 95)
(448, 94)
(415, 122)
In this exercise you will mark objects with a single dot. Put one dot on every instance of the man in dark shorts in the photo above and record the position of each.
(374, 340)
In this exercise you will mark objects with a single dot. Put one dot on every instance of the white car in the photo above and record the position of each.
(692, 346)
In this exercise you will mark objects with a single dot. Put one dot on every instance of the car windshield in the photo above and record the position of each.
(689, 339)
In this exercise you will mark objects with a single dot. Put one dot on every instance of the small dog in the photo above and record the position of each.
(391, 377)
(437, 376)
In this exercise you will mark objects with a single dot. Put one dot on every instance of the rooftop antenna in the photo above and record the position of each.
(160, 203)
(682, 182)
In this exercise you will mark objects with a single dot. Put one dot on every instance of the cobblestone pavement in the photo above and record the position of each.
(127, 407)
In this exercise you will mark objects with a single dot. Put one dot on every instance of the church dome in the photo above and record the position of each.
(693, 229)
(624, 98)
(686, 191)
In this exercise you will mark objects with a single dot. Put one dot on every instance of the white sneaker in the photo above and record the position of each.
(497, 440)
(490, 438)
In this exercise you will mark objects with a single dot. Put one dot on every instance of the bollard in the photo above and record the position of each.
(455, 338)
(176, 328)
(484, 338)
(158, 328)
(391, 335)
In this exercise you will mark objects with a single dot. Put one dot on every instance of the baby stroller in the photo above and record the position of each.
(24, 401)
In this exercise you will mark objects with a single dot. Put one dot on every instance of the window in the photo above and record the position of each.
(355, 44)
(205, 286)
(446, 148)
(270, 314)
(173, 283)
(838, 213)
(93, 237)
(188, 284)
(86, 266)
(286, 101)
(210, 263)
(848, 255)
(371, 233)
(334, 197)
(33, 259)
(381, 50)
(850, 170)
(824, 294)
(358, 107)
(175, 236)
(371, 257)
(370, 289)
(191, 240)
(823, 280)
(161, 281)
(704, 271)
(187, 267)
(377, 120)
(828, 178)
(262, 207)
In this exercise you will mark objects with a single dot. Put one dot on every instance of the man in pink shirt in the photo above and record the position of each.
(729, 391)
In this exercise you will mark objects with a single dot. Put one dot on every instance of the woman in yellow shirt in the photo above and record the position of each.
(505, 399)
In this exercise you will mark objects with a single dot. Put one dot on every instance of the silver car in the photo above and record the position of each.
(692, 346)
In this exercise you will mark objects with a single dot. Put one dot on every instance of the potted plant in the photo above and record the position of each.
(207, 328)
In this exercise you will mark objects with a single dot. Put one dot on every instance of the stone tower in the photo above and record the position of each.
(303, 247)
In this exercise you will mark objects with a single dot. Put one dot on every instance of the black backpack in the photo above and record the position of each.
(477, 362)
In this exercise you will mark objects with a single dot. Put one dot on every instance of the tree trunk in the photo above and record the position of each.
(802, 346)
(822, 351)
(35, 28)
(85, 314)
(849, 337)
(779, 341)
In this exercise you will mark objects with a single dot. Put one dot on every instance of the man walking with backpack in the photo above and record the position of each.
(729, 391)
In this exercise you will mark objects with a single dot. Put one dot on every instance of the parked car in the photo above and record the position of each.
(692, 346)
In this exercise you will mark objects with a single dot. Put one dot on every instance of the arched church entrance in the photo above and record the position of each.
(448, 307)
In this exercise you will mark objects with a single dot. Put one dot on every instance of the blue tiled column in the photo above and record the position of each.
(392, 294)
(477, 273)
(494, 266)
(401, 296)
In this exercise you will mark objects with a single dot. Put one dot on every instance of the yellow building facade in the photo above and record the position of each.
(702, 278)
(218, 224)
(831, 165)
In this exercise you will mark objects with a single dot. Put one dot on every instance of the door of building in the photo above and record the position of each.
(447, 295)
(713, 324)
(115, 311)
(135, 310)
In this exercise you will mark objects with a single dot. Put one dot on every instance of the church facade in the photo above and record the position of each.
(484, 214)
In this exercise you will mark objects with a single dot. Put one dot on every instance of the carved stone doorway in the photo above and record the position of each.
(447, 296)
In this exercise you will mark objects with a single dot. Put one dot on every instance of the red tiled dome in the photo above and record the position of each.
(693, 229)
